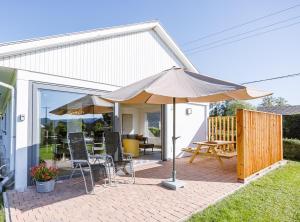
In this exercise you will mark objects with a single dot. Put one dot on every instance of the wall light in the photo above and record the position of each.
(188, 111)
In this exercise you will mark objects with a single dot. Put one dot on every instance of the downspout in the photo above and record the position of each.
(12, 127)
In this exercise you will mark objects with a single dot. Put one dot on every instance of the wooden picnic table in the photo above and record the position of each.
(218, 149)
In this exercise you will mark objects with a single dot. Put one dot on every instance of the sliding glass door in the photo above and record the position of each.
(56, 118)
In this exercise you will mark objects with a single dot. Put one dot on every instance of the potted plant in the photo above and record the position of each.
(44, 177)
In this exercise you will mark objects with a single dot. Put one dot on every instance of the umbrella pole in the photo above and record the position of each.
(172, 183)
(174, 140)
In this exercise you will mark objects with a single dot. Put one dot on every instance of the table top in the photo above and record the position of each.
(214, 143)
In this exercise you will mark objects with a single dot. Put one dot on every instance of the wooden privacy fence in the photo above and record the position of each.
(222, 128)
(259, 141)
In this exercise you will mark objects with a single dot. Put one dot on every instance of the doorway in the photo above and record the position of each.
(142, 131)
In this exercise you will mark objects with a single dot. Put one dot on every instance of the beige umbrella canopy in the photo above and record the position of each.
(177, 85)
(183, 85)
(88, 104)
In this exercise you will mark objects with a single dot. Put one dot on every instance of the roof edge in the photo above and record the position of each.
(28, 45)
(174, 47)
(23, 46)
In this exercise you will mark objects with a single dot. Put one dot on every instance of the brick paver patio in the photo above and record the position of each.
(205, 181)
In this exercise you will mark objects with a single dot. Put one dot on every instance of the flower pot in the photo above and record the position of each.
(45, 186)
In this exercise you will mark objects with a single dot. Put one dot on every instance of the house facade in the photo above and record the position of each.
(39, 75)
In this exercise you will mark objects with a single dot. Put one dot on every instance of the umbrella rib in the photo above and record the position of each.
(148, 97)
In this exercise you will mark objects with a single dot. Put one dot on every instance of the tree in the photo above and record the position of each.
(217, 109)
(280, 101)
(229, 108)
(271, 101)
(232, 106)
(267, 101)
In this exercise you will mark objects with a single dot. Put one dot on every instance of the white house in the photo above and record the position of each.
(39, 75)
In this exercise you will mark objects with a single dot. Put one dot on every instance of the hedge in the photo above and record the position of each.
(291, 126)
(291, 149)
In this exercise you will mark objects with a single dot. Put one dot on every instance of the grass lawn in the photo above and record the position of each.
(274, 197)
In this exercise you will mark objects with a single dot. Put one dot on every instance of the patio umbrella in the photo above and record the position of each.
(177, 85)
(88, 104)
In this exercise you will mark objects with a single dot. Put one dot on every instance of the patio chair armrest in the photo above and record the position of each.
(79, 161)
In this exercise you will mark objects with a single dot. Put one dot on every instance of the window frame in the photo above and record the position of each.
(34, 109)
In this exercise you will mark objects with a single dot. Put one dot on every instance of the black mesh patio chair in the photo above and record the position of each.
(120, 160)
(80, 159)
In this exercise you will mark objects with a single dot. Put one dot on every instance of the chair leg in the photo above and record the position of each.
(110, 166)
(132, 172)
(104, 172)
(72, 173)
(92, 179)
(83, 178)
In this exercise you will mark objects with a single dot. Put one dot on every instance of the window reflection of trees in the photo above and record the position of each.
(54, 129)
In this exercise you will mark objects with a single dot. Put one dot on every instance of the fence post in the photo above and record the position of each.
(281, 137)
(240, 144)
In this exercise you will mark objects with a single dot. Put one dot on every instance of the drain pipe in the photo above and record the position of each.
(12, 131)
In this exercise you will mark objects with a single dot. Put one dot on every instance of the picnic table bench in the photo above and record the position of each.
(218, 149)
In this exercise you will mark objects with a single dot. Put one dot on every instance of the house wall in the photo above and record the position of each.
(117, 60)
(103, 64)
(25, 139)
(189, 128)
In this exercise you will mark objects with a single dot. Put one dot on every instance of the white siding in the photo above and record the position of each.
(118, 60)
(189, 128)
(22, 133)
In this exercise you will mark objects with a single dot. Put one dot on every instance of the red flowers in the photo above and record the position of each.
(43, 173)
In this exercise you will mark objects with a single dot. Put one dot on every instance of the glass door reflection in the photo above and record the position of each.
(55, 125)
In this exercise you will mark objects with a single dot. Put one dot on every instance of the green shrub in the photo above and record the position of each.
(291, 149)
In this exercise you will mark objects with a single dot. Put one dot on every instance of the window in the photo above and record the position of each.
(55, 122)
(153, 124)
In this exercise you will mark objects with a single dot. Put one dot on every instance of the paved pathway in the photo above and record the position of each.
(206, 182)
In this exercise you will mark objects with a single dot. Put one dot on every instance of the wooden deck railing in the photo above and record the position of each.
(222, 128)
(259, 141)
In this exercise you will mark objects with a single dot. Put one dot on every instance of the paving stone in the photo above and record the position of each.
(146, 200)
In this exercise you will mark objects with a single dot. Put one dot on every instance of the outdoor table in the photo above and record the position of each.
(213, 148)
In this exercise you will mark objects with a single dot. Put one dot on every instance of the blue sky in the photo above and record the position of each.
(275, 53)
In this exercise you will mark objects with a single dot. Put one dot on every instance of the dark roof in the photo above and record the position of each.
(283, 110)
